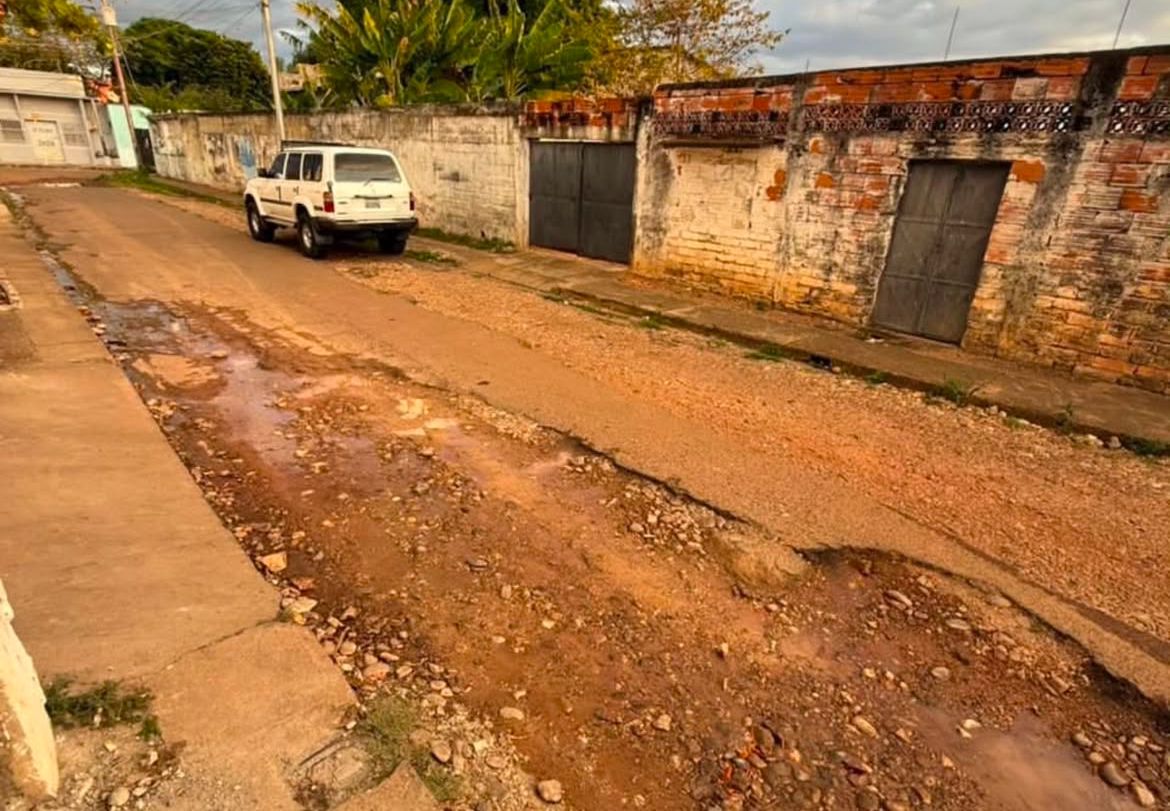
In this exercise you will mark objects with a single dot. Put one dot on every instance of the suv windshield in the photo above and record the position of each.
(359, 167)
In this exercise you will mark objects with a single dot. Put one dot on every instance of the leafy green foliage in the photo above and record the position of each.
(385, 734)
(390, 52)
(53, 35)
(686, 40)
(177, 67)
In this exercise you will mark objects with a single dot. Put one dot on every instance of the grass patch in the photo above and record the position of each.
(955, 391)
(589, 308)
(385, 733)
(491, 244)
(105, 705)
(143, 180)
(431, 257)
(1147, 447)
(1066, 419)
(651, 322)
(876, 378)
(768, 352)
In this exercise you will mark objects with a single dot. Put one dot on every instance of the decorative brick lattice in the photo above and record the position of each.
(946, 116)
(1139, 118)
(711, 124)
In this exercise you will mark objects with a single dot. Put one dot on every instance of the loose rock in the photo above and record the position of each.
(119, 797)
(1112, 774)
(442, 752)
(550, 791)
(662, 723)
(511, 714)
(862, 725)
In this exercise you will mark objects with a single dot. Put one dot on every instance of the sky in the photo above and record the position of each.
(825, 33)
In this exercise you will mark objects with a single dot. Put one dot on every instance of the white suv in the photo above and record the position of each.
(326, 189)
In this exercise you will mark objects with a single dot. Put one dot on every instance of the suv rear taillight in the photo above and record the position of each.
(412, 201)
(328, 198)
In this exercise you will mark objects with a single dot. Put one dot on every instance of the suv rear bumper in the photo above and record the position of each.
(390, 226)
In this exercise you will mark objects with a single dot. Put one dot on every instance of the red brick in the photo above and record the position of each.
(776, 190)
(816, 94)
(985, 70)
(864, 76)
(1127, 151)
(936, 91)
(1130, 174)
(1063, 67)
(817, 146)
(1030, 88)
(1028, 171)
(1136, 64)
(1157, 65)
(999, 90)
(849, 94)
(1063, 88)
(1155, 152)
(1137, 88)
(894, 93)
(825, 181)
(1136, 201)
(968, 91)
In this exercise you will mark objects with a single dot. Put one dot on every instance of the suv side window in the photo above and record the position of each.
(311, 166)
(277, 168)
(292, 169)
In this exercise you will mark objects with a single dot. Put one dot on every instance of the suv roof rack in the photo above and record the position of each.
(288, 144)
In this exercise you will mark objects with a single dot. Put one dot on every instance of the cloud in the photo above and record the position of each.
(825, 33)
(848, 33)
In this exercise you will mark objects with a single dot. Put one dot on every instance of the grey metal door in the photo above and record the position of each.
(940, 236)
(581, 198)
(554, 206)
(607, 201)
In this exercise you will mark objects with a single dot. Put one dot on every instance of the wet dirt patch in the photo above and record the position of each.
(547, 610)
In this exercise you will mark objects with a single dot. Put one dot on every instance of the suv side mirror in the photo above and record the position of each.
(263, 173)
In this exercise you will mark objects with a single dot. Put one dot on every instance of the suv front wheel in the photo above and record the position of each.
(308, 237)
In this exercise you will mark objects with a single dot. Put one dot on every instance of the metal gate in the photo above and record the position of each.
(940, 235)
(581, 198)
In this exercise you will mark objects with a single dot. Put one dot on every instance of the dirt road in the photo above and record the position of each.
(413, 455)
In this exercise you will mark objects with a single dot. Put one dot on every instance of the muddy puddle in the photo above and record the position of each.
(604, 631)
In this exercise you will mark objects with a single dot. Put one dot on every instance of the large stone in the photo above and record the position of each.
(28, 756)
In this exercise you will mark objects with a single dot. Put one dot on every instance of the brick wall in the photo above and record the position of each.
(468, 167)
(787, 188)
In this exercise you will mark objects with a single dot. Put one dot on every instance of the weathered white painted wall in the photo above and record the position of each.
(468, 167)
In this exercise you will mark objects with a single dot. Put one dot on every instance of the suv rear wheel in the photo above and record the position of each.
(392, 243)
(308, 237)
(260, 230)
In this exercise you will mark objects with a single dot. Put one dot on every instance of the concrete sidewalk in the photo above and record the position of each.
(1141, 419)
(119, 570)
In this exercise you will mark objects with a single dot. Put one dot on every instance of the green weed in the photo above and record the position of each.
(768, 352)
(651, 322)
(431, 257)
(105, 705)
(491, 244)
(385, 733)
(1066, 419)
(955, 391)
(1147, 447)
(145, 181)
(876, 378)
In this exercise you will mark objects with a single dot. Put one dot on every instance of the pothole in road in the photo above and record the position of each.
(552, 616)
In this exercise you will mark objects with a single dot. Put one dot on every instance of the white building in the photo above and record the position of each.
(46, 118)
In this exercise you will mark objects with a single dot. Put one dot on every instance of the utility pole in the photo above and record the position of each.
(110, 20)
(951, 35)
(1120, 24)
(277, 105)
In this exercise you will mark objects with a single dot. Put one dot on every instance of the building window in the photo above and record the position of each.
(11, 131)
(74, 135)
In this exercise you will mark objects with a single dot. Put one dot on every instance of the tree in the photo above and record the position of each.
(665, 41)
(54, 35)
(389, 52)
(180, 67)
